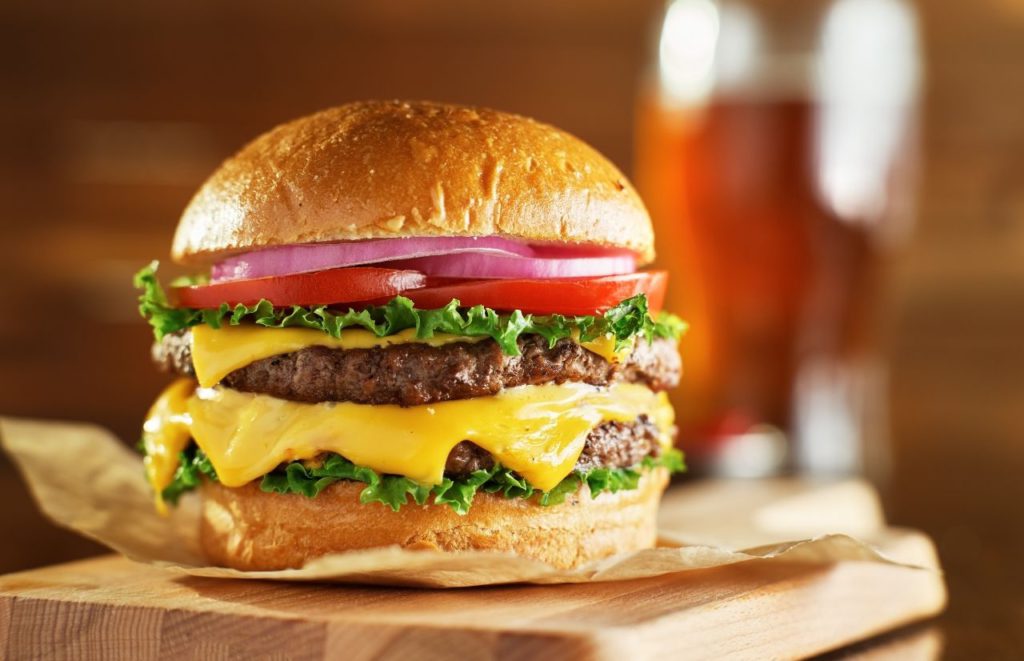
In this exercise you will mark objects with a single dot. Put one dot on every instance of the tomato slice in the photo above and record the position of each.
(370, 285)
(568, 296)
(344, 285)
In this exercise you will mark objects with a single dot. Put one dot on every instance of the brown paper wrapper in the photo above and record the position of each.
(84, 479)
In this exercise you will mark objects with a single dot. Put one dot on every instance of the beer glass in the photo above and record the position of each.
(776, 149)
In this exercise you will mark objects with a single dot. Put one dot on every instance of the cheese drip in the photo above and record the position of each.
(165, 433)
(538, 431)
(216, 352)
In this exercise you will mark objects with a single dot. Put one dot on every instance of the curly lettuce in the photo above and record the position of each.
(193, 465)
(395, 491)
(624, 322)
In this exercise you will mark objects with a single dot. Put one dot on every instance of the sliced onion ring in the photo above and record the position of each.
(288, 260)
(476, 265)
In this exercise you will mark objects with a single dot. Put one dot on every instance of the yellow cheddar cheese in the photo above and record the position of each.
(538, 431)
(216, 352)
(166, 432)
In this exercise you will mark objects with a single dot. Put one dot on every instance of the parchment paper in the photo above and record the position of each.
(84, 479)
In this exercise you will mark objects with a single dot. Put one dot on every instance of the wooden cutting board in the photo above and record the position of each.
(111, 608)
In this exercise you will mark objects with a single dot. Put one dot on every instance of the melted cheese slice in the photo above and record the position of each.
(605, 347)
(166, 432)
(216, 352)
(538, 431)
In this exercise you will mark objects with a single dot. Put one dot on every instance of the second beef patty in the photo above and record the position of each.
(609, 445)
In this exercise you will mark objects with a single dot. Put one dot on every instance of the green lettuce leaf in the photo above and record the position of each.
(193, 465)
(395, 491)
(625, 322)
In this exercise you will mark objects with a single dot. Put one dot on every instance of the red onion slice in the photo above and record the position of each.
(475, 265)
(287, 260)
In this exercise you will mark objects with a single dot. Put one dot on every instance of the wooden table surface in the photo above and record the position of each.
(112, 608)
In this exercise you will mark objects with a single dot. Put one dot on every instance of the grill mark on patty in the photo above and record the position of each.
(413, 374)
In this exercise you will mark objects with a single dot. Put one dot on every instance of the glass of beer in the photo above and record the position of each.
(776, 149)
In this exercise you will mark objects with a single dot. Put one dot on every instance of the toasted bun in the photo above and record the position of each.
(248, 529)
(392, 169)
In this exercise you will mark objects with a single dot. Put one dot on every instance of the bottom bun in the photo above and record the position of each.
(248, 529)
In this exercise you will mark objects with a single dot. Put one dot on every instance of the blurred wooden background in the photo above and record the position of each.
(114, 113)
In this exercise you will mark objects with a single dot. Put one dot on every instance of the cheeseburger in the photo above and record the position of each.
(414, 324)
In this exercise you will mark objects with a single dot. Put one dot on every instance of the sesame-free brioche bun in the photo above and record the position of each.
(248, 529)
(387, 169)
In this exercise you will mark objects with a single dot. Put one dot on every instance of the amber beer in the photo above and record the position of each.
(773, 282)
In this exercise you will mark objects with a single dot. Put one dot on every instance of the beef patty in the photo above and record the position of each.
(412, 374)
(609, 445)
